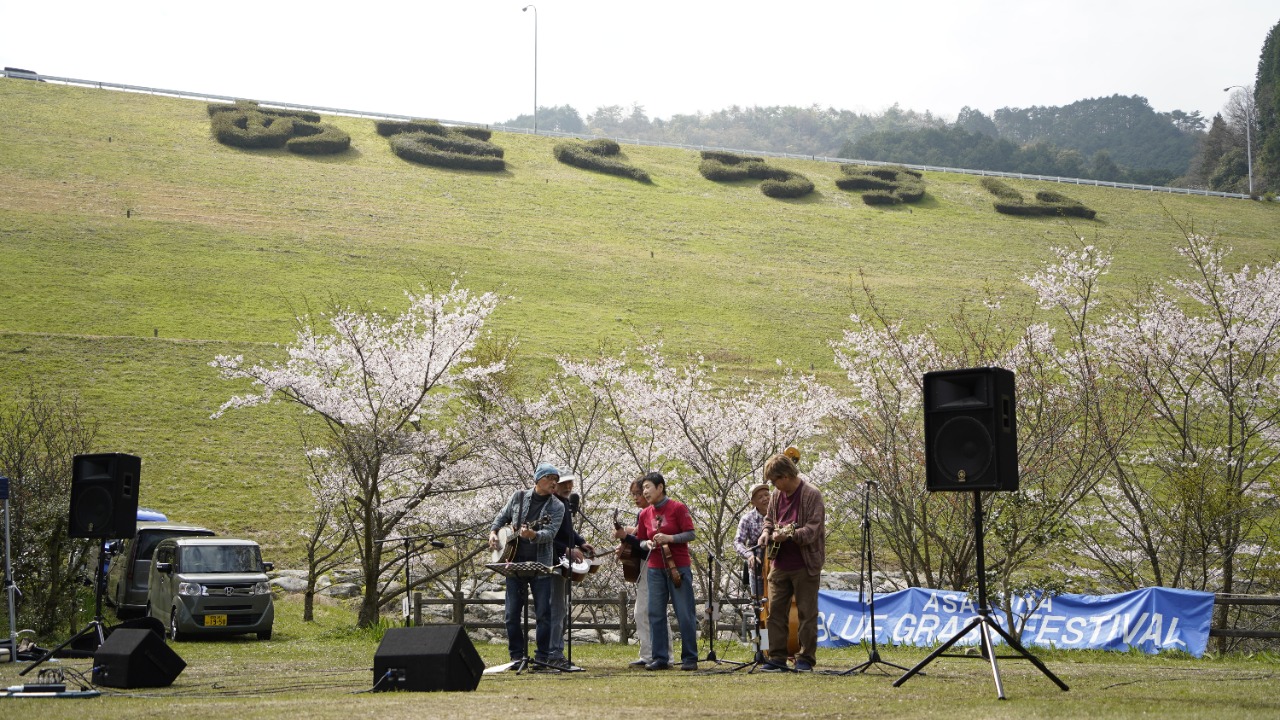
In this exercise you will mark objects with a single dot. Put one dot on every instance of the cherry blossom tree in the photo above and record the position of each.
(1205, 348)
(709, 436)
(881, 440)
(384, 388)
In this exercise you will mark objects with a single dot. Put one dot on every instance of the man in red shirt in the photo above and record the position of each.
(666, 528)
(796, 519)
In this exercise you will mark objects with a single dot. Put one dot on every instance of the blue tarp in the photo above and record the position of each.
(1150, 620)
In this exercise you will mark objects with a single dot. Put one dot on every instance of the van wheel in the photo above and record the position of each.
(173, 626)
(264, 634)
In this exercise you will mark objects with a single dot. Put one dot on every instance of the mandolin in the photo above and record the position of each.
(780, 536)
(507, 540)
(631, 563)
(672, 571)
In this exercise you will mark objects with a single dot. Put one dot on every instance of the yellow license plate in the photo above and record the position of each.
(215, 620)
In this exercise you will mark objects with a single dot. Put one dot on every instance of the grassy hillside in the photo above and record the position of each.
(134, 248)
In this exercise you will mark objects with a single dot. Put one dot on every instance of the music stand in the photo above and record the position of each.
(866, 578)
(713, 617)
(524, 571)
(984, 622)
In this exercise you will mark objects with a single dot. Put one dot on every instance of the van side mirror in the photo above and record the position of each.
(166, 568)
(268, 567)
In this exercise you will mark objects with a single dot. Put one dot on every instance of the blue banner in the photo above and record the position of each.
(1150, 620)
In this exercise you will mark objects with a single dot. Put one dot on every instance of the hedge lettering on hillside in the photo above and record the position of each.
(1048, 202)
(882, 185)
(720, 166)
(599, 155)
(430, 143)
(246, 125)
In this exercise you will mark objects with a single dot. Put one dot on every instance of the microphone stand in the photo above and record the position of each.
(713, 614)
(865, 576)
(408, 550)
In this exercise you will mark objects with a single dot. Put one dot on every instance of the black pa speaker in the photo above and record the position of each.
(104, 495)
(135, 658)
(970, 433)
(426, 659)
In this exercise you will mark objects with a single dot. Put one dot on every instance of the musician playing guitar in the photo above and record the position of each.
(666, 529)
(540, 506)
(638, 555)
(795, 522)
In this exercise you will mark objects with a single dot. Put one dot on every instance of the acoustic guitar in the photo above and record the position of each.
(793, 614)
(631, 562)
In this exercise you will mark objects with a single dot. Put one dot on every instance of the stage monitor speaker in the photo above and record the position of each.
(135, 658)
(970, 432)
(427, 659)
(104, 495)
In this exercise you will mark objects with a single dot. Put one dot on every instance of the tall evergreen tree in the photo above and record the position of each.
(1212, 147)
(1267, 101)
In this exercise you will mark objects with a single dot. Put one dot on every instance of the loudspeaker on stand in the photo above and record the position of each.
(970, 430)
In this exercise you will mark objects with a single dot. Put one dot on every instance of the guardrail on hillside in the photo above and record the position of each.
(624, 141)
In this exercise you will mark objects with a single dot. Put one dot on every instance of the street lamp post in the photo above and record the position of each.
(535, 67)
(1248, 141)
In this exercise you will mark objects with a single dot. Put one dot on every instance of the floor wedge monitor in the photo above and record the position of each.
(970, 430)
(425, 659)
(136, 658)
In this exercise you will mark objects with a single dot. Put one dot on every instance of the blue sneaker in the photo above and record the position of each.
(770, 667)
(804, 666)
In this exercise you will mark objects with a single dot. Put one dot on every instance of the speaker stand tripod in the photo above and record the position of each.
(984, 622)
(866, 579)
(95, 629)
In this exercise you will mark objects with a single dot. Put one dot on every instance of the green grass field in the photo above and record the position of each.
(319, 670)
(134, 248)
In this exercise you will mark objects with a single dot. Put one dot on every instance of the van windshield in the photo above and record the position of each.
(219, 559)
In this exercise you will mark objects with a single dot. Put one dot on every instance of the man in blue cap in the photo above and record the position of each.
(537, 513)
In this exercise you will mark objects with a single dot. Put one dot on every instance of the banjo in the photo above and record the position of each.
(508, 537)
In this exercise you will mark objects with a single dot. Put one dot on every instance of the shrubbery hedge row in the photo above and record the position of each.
(251, 130)
(879, 197)
(1001, 190)
(729, 158)
(315, 138)
(598, 155)
(250, 106)
(793, 186)
(387, 128)
(778, 183)
(245, 125)
(428, 149)
(886, 185)
(1048, 202)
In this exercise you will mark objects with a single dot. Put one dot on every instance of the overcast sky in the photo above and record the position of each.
(472, 60)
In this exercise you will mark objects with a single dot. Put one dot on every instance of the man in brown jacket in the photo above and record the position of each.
(796, 521)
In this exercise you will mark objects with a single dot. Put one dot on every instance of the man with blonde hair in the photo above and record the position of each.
(796, 521)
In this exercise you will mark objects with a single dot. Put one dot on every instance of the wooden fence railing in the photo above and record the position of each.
(619, 605)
